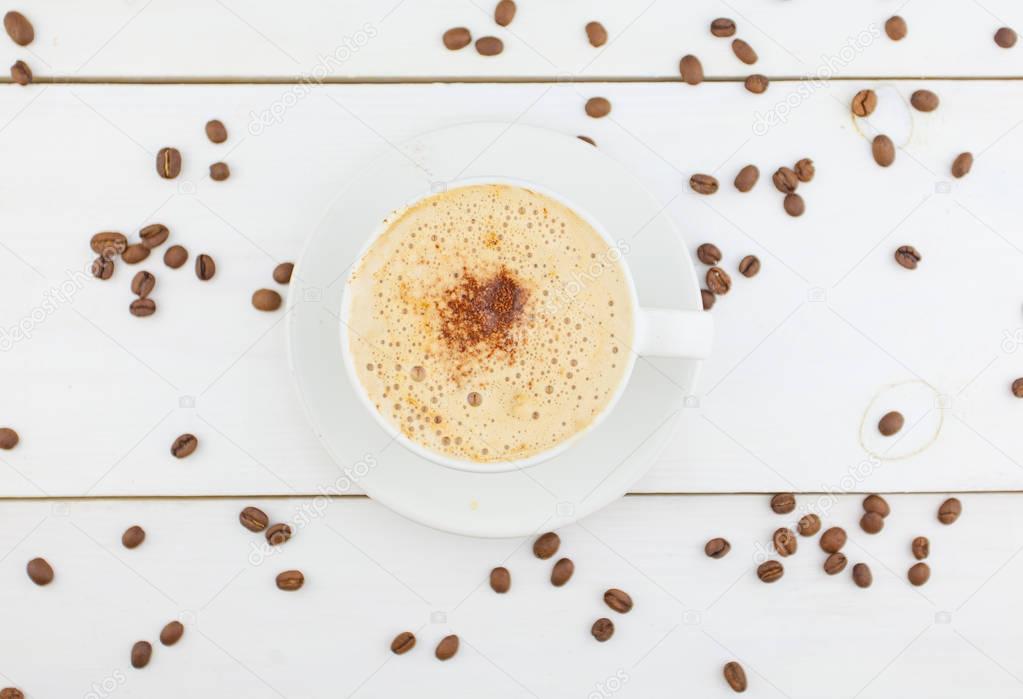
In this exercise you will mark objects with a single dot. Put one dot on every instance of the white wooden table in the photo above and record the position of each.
(828, 336)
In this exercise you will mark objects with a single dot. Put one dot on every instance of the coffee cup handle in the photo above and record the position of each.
(664, 332)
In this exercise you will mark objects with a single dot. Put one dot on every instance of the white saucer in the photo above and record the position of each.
(602, 465)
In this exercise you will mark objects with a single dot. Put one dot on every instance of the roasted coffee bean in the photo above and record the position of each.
(749, 266)
(618, 600)
(403, 643)
(102, 268)
(747, 178)
(447, 647)
(266, 300)
(175, 256)
(862, 576)
(141, 308)
(500, 580)
(278, 534)
(784, 542)
(39, 571)
(154, 235)
(219, 172)
(876, 503)
(489, 46)
(168, 163)
(1004, 37)
(707, 299)
(703, 184)
(895, 28)
(785, 180)
(757, 83)
(832, 540)
(924, 101)
(883, 150)
(142, 284)
(717, 548)
(19, 28)
(1017, 387)
(602, 629)
(474, 399)
(871, 522)
(794, 205)
(457, 38)
(919, 574)
(283, 271)
(708, 254)
(722, 27)
(135, 253)
(809, 525)
(835, 563)
(172, 633)
(770, 571)
(921, 548)
(718, 281)
(8, 438)
(290, 580)
(184, 445)
(21, 73)
(504, 13)
(253, 519)
(11, 693)
(598, 107)
(205, 267)
(907, 256)
(735, 676)
(783, 503)
(546, 545)
(133, 536)
(744, 52)
(864, 103)
(962, 165)
(587, 139)
(805, 170)
(108, 244)
(890, 423)
(691, 70)
(141, 652)
(562, 572)
(950, 510)
(596, 34)
(216, 131)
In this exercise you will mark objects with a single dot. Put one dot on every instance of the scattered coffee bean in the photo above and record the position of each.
(718, 281)
(691, 70)
(21, 73)
(11, 693)
(489, 46)
(447, 648)
(562, 572)
(896, 28)
(216, 131)
(783, 503)
(876, 503)
(784, 542)
(707, 298)
(890, 423)
(278, 534)
(154, 235)
(175, 256)
(883, 150)
(924, 101)
(809, 525)
(805, 170)
(172, 633)
(135, 253)
(142, 284)
(832, 540)
(919, 574)
(403, 643)
(457, 38)
(1017, 387)
(722, 27)
(504, 13)
(596, 33)
(141, 308)
(219, 172)
(283, 271)
(703, 184)
(871, 522)
(133, 536)
(744, 52)
(290, 580)
(921, 548)
(587, 139)
(598, 107)
(749, 266)
(108, 244)
(184, 445)
(266, 300)
(546, 545)
(757, 83)
(39, 571)
(747, 178)
(735, 676)
(602, 629)
(907, 256)
(253, 519)
(102, 268)
(168, 163)
(141, 652)
(794, 205)
(864, 103)
(770, 571)
(8, 438)
(205, 267)
(862, 576)
(19, 28)
(950, 510)
(962, 165)
(500, 580)
(835, 563)
(708, 254)
(785, 180)
(618, 600)
(1004, 37)
(717, 548)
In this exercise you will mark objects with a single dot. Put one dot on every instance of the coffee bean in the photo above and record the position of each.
(809, 525)
(11, 693)
(602, 629)
(691, 70)
(457, 38)
(950, 510)
(546, 545)
(907, 256)
(722, 27)
(1017, 387)
(474, 399)
(403, 643)
(717, 548)
(142, 284)
(596, 33)
(919, 574)
(504, 13)
(924, 101)
(266, 300)
(447, 648)
(108, 244)
(757, 83)
(708, 254)
(19, 28)
(598, 107)
(618, 600)
(735, 676)
(219, 172)
(921, 548)
(489, 46)
(175, 256)
(500, 580)
(141, 652)
(864, 103)
(253, 519)
(216, 131)
(784, 542)
(883, 150)
(832, 540)
(783, 503)
(718, 281)
(205, 267)
(871, 522)
(184, 445)
(747, 178)
(794, 205)
(39, 571)
(707, 299)
(562, 572)
(785, 180)
(418, 373)
(154, 235)
(141, 308)
(278, 534)
(770, 571)
(102, 268)
(962, 165)
(172, 633)
(1004, 37)
(290, 580)
(805, 170)
(876, 503)
(168, 163)
(135, 253)
(835, 563)
(21, 73)
(282, 272)
(890, 423)
(895, 28)
(8, 438)
(744, 52)
(587, 139)
(749, 266)
(133, 536)
(862, 576)
(703, 184)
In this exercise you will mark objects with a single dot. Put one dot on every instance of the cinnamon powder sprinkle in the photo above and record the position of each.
(481, 315)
